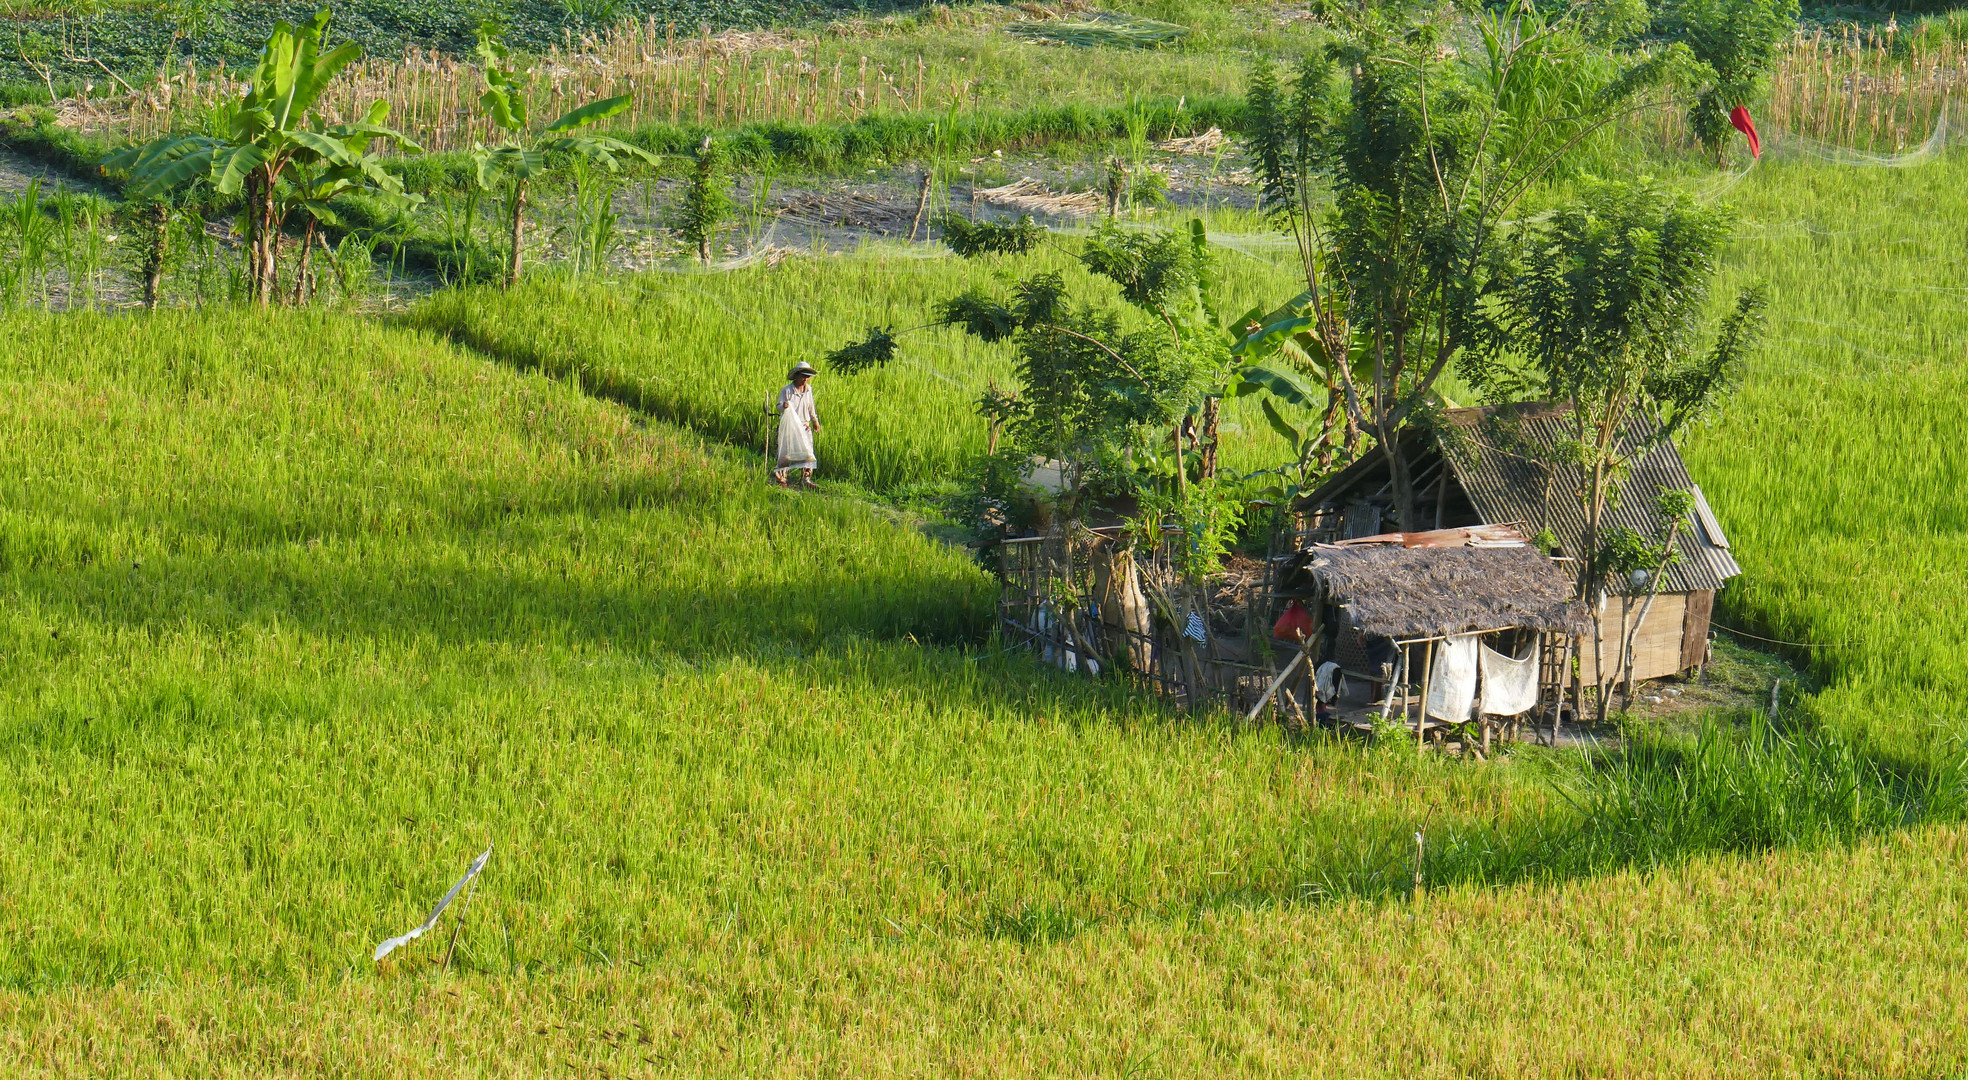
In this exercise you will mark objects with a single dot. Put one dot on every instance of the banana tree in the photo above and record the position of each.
(508, 168)
(1284, 358)
(265, 136)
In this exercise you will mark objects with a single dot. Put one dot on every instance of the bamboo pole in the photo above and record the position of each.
(1427, 688)
(1400, 676)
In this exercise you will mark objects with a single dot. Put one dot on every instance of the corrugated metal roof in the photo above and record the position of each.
(1508, 486)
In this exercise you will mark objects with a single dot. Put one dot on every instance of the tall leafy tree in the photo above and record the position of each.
(1735, 42)
(508, 168)
(1428, 152)
(703, 203)
(1607, 315)
(273, 150)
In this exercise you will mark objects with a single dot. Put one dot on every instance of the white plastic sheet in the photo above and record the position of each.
(795, 440)
(1510, 684)
(1452, 690)
(401, 940)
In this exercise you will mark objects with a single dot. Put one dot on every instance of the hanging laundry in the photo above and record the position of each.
(1739, 116)
(1452, 689)
(1510, 684)
(1329, 681)
(1195, 629)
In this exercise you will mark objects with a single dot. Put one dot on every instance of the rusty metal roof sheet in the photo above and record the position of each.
(1476, 536)
(1496, 461)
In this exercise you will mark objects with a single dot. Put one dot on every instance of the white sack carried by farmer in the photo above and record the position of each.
(798, 420)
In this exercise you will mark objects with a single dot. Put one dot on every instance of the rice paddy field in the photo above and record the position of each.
(301, 610)
(1840, 466)
(707, 351)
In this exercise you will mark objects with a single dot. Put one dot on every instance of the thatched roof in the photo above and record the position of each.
(1421, 592)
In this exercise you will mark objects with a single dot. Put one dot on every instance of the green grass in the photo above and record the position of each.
(299, 611)
(287, 627)
(707, 350)
(1840, 469)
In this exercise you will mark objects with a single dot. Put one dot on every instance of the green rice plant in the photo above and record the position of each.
(592, 217)
(1747, 790)
(79, 237)
(29, 229)
(707, 351)
(287, 635)
(1837, 468)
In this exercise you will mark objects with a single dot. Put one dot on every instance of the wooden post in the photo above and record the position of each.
(1427, 687)
(1558, 708)
(1400, 675)
(1578, 699)
(922, 204)
(1407, 665)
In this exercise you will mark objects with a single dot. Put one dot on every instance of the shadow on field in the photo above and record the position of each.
(471, 598)
(1734, 788)
(627, 392)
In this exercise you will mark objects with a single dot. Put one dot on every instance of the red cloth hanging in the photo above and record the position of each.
(1295, 624)
(1739, 116)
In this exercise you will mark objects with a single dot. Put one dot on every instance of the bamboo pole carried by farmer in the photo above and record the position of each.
(798, 421)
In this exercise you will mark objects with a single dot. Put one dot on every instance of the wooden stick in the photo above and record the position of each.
(1564, 666)
(922, 205)
(459, 924)
(1427, 688)
(1407, 664)
(1275, 684)
(1399, 676)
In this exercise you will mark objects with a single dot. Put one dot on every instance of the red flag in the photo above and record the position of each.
(1739, 116)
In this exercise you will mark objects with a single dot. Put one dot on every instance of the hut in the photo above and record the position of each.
(1448, 625)
(1496, 466)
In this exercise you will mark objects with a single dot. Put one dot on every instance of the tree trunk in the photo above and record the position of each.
(273, 263)
(1212, 408)
(253, 250)
(267, 284)
(153, 267)
(304, 271)
(1123, 609)
(1653, 591)
(1335, 415)
(1593, 583)
(1401, 477)
(518, 227)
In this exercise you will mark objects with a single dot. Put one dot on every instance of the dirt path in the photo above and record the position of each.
(16, 172)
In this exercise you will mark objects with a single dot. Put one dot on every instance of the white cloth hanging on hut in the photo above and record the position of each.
(1452, 683)
(1329, 681)
(1510, 683)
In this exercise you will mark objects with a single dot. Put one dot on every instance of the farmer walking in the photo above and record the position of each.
(798, 420)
